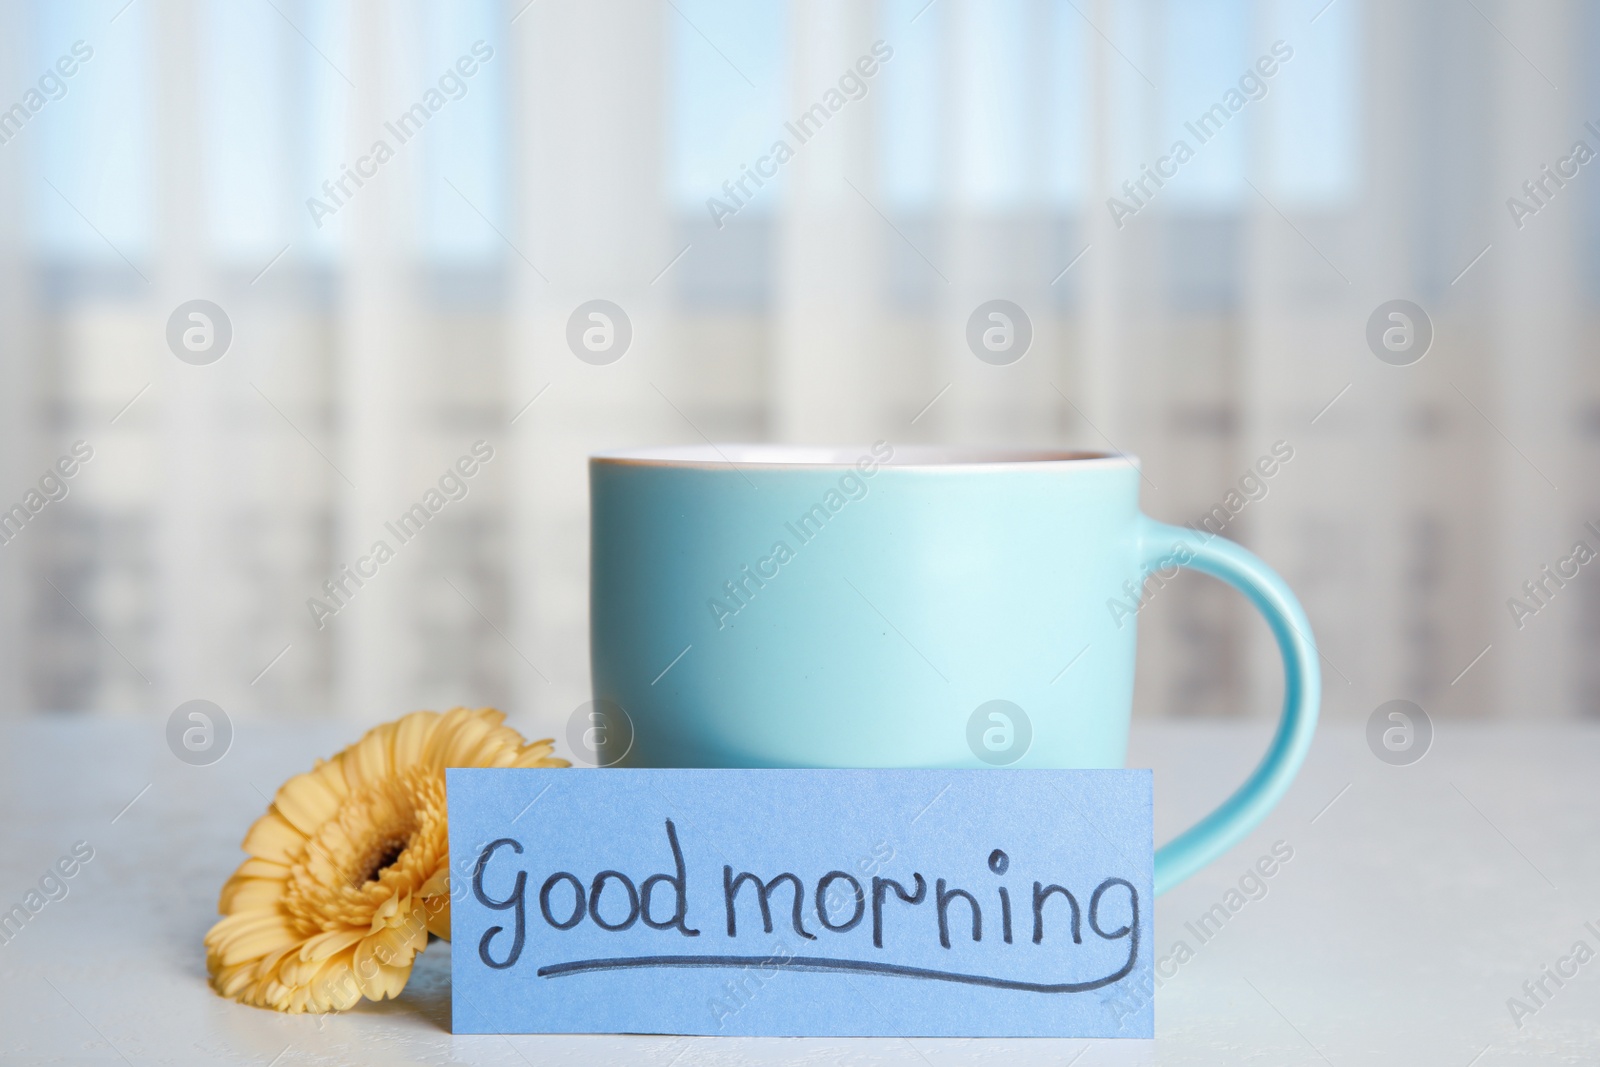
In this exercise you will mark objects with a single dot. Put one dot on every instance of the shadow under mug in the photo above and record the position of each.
(775, 606)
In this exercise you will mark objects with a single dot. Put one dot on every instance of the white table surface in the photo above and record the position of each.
(1414, 907)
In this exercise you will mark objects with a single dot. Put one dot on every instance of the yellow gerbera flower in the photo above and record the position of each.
(349, 869)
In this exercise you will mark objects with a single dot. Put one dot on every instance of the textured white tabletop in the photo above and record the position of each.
(1418, 901)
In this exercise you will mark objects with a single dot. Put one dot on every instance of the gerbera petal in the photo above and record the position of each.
(274, 994)
(267, 966)
(320, 947)
(537, 754)
(384, 982)
(412, 737)
(458, 716)
(255, 936)
(259, 868)
(274, 838)
(230, 981)
(368, 760)
(461, 733)
(295, 972)
(335, 987)
(331, 774)
(438, 884)
(306, 802)
(249, 894)
(348, 873)
(229, 926)
(439, 917)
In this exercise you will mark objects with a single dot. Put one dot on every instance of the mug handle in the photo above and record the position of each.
(1163, 546)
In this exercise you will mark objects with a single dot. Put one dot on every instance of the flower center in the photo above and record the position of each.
(384, 842)
(387, 853)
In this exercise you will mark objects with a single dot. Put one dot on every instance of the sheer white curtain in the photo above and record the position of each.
(379, 337)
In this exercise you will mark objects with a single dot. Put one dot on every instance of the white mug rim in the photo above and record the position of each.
(913, 457)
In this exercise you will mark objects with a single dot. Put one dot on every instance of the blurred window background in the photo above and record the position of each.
(391, 306)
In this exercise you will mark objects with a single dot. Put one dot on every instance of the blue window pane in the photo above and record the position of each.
(1590, 234)
(466, 140)
(1206, 52)
(322, 101)
(91, 146)
(911, 106)
(996, 116)
(719, 120)
(1314, 142)
(244, 130)
(1127, 41)
(1070, 80)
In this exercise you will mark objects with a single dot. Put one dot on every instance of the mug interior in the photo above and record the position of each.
(780, 455)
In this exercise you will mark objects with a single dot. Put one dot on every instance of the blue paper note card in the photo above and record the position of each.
(895, 903)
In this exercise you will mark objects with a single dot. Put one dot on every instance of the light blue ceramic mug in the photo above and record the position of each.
(774, 606)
